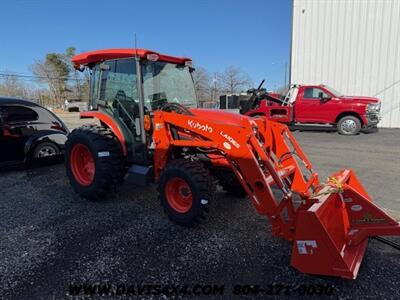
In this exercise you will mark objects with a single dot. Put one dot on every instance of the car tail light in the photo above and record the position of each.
(58, 126)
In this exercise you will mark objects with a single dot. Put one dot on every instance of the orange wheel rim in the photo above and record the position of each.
(179, 194)
(82, 164)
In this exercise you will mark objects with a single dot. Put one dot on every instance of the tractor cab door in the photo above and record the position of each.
(114, 89)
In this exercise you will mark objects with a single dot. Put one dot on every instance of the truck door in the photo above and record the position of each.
(309, 108)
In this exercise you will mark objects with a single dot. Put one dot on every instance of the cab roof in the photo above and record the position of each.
(91, 57)
(6, 100)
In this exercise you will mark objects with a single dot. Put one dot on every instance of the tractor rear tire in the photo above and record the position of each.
(185, 190)
(94, 161)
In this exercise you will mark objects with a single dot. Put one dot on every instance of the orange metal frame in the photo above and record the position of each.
(252, 152)
(106, 119)
(329, 224)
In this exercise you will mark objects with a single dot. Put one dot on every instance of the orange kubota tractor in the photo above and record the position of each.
(151, 129)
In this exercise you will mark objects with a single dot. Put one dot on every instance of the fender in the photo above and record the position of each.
(103, 117)
(54, 137)
(351, 112)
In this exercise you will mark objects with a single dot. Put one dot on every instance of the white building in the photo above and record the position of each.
(351, 45)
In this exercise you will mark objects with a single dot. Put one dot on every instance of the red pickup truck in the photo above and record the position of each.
(317, 105)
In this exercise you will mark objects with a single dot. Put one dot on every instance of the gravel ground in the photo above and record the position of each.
(51, 237)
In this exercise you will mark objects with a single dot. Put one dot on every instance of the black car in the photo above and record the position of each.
(28, 131)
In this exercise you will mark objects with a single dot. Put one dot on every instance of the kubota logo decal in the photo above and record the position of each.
(230, 139)
(197, 125)
(306, 247)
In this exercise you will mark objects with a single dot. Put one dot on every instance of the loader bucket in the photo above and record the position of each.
(332, 233)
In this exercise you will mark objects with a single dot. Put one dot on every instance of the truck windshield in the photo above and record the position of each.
(333, 91)
(166, 82)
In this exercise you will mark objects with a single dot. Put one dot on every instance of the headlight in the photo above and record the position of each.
(373, 107)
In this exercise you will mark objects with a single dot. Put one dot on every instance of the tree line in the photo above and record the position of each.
(210, 86)
(54, 80)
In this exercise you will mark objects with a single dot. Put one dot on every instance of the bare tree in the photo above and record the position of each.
(202, 84)
(47, 74)
(79, 81)
(54, 71)
(11, 86)
(234, 80)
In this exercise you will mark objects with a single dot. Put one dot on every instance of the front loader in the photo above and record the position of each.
(150, 131)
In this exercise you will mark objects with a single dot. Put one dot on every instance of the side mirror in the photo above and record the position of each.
(322, 98)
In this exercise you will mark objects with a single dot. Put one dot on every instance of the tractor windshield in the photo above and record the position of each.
(166, 82)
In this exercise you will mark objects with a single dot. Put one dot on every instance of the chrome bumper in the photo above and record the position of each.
(373, 119)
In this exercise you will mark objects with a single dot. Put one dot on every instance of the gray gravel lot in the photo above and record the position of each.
(51, 237)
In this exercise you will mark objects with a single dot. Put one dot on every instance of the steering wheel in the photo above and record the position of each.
(176, 107)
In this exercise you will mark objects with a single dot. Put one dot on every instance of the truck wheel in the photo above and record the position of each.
(93, 160)
(185, 189)
(349, 125)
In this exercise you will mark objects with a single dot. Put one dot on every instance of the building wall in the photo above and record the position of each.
(351, 45)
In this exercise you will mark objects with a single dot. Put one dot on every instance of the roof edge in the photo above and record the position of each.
(90, 57)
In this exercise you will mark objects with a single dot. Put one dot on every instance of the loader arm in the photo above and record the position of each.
(257, 154)
(329, 224)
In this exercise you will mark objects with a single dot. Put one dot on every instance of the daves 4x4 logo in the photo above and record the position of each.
(197, 125)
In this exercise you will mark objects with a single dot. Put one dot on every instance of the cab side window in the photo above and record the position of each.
(94, 85)
(313, 93)
(119, 81)
(118, 89)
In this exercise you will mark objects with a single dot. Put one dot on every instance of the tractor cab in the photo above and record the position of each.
(127, 85)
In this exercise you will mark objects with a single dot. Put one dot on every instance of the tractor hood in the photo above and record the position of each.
(228, 118)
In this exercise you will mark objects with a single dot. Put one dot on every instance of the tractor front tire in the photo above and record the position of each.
(185, 190)
(94, 161)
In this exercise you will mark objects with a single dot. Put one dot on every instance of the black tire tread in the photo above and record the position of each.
(109, 172)
(205, 184)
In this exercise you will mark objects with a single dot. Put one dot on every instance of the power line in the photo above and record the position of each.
(33, 77)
